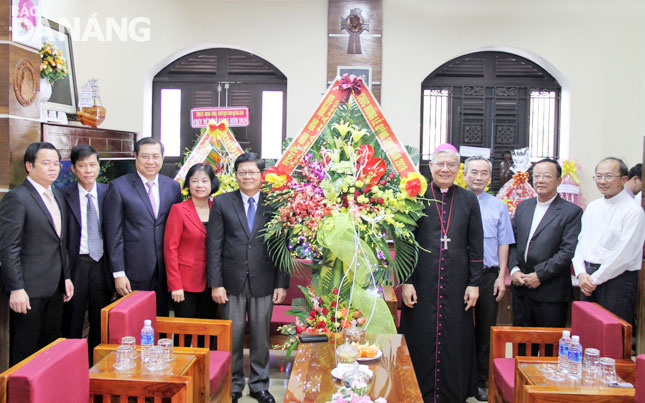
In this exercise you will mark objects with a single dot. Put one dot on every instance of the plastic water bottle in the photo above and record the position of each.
(575, 358)
(147, 339)
(563, 352)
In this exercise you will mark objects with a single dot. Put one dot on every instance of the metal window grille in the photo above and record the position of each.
(435, 119)
(542, 124)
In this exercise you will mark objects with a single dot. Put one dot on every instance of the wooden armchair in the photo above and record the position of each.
(125, 316)
(596, 327)
(59, 373)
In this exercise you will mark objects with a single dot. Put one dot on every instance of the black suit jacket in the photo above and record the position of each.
(234, 252)
(33, 257)
(74, 220)
(133, 236)
(550, 249)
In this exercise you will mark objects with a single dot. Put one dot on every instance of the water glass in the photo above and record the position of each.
(591, 363)
(156, 360)
(124, 360)
(132, 342)
(607, 370)
(167, 348)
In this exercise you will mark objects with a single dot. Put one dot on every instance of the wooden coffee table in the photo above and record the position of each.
(394, 378)
(532, 386)
(187, 362)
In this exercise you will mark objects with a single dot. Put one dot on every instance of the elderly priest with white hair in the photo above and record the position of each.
(437, 319)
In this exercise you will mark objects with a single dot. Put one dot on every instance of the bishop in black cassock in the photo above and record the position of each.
(436, 318)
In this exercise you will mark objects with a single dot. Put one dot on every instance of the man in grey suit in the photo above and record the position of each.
(134, 218)
(546, 233)
(242, 275)
(33, 254)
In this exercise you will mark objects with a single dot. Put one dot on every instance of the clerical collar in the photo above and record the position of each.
(442, 190)
(548, 202)
(618, 196)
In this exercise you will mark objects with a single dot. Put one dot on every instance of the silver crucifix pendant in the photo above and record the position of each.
(445, 241)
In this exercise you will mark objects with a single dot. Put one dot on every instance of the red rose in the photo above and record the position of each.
(321, 324)
(325, 311)
(312, 314)
(299, 329)
(380, 200)
(335, 291)
(333, 304)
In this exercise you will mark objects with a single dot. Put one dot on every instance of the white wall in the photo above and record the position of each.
(597, 45)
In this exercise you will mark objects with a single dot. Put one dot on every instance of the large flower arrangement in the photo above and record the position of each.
(339, 210)
(53, 65)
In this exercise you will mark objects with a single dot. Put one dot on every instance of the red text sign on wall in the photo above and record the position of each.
(237, 116)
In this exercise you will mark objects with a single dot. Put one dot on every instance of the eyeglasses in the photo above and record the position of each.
(442, 165)
(546, 177)
(250, 174)
(607, 177)
(50, 164)
(148, 157)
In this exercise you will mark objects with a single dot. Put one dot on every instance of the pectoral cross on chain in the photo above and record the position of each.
(445, 241)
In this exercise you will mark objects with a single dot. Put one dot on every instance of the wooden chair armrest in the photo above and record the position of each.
(177, 388)
(4, 377)
(390, 299)
(500, 335)
(105, 315)
(222, 329)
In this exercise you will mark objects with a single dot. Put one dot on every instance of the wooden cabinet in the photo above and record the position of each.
(109, 143)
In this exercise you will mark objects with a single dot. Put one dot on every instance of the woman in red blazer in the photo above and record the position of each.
(185, 246)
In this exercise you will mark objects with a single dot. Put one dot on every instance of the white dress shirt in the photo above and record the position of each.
(82, 196)
(41, 192)
(538, 214)
(245, 200)
(612, 235)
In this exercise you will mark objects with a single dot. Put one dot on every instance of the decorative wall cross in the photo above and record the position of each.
(355, 25)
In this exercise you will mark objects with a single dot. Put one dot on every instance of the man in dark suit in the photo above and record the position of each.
(85, 247)
(546, 233)
(136, 209)
(33, 256)
(242, 275)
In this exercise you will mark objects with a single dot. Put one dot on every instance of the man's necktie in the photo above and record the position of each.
(250, 213)
(52, 206)
(151, 196)
(94, 238)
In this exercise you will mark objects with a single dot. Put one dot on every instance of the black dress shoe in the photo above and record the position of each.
(482, 394)
(235, 396)
(263, 396)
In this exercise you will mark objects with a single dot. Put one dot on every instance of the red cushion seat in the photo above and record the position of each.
(280, 317)
(597, 328)
(504, 373)
(126, 319)
(57, 374)
(219, 363)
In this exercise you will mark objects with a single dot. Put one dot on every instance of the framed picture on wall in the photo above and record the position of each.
(362, 72)
(64, 95)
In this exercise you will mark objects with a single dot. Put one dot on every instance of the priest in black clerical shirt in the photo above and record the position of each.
(437, 319)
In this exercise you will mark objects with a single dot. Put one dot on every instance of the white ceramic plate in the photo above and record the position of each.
(342, 369)
(367, 359)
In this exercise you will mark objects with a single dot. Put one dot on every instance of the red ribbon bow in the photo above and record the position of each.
(349, 84)
(220, 127)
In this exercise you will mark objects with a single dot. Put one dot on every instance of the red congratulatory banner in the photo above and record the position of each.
(237, 116)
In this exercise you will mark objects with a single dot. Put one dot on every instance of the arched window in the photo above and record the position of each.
(493, 100)
(219, 77)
